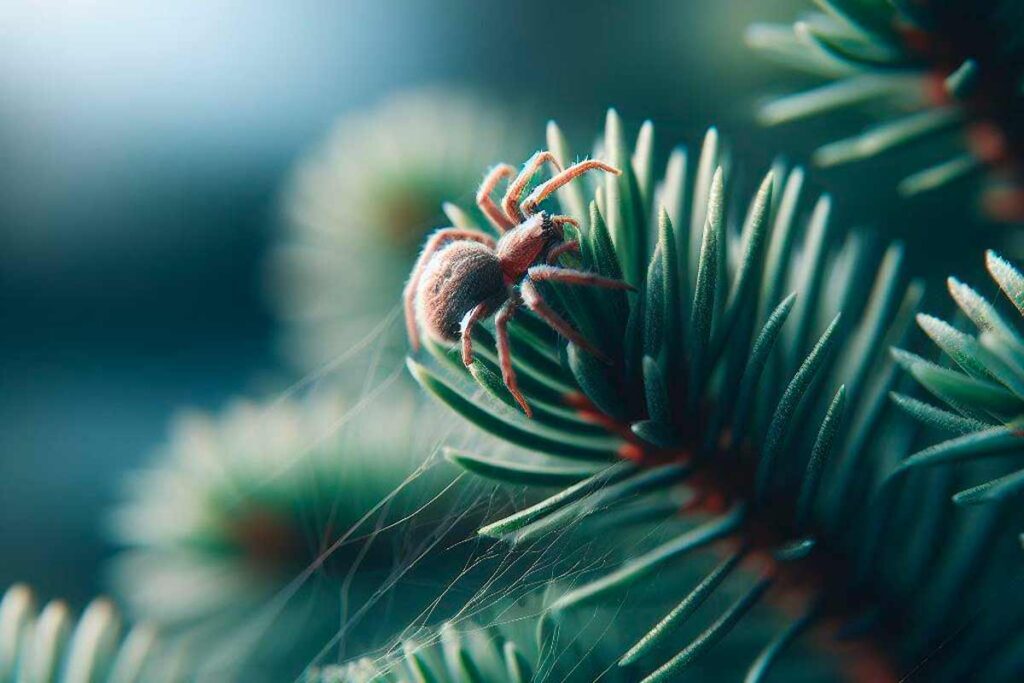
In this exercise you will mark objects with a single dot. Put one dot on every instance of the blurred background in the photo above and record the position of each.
(143, 151)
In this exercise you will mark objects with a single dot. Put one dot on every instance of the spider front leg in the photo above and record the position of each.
(508, 373)
(498, 218)
(434, 243)
(572, 276)
(536, 303)
(515, 189)
(545, 189)
(563, 248)
(559, 222)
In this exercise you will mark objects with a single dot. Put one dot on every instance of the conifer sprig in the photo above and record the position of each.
(752, 371)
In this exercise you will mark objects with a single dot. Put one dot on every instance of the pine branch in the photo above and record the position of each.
(770, 408)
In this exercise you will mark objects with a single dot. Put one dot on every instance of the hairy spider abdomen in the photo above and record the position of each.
(457, 279)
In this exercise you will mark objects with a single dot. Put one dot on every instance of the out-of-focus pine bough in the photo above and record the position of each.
(294, 515)
(515, 641)
(752, 373)
(52, 645)
(510, 652)
(357, 207)
(944, 72)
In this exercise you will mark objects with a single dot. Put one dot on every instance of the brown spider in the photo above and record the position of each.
(463, 276)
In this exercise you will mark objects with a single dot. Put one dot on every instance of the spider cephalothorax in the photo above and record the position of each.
(463, 276)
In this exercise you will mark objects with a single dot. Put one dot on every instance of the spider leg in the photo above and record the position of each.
(560, 249)
(515, 189)
(475, 315)
(536, 303)
(498, 218)
(559, 221)
(542, 191)
(574, 277)
(508, 373)
(437, 240)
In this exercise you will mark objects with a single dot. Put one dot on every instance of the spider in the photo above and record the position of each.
(463, 276)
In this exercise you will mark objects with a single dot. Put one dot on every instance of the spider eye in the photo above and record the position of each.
(546, 225)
